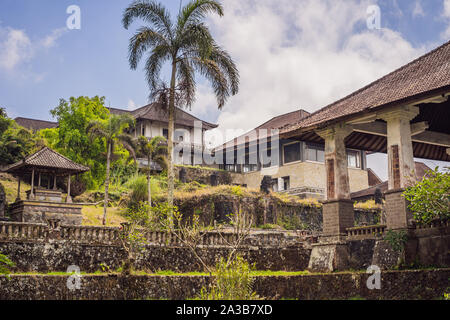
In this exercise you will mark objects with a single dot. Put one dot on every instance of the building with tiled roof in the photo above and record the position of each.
(35, 124)
(296, 166)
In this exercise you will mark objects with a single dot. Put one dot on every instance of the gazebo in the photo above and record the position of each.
(45, 202)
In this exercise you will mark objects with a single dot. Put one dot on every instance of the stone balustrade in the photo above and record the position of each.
(108, 235)
(369, 232)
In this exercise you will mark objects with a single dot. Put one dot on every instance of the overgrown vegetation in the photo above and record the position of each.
(396, 239)
(232, 281)
(5, 265)
(430, 198)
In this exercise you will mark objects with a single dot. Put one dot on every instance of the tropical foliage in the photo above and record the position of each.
(111, 131)
(187, 45)
(430, 198)
(153, 150)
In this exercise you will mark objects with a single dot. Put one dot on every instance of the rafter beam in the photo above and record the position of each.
(418, 130)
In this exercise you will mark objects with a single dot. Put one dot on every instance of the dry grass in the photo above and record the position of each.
(10, 185)
(92, 216)
(368, 205)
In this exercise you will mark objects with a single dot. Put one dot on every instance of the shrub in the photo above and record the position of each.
(5, 265)
(232, 282)
(430, 198)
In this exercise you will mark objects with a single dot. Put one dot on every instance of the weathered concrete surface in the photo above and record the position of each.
(399, 285)
(57, 255)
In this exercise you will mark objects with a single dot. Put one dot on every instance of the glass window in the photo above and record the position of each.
(353, 159)
(286, 183)
(315, 153)
(291, 152)
(249, 168)
(267, 162)
(166, 133)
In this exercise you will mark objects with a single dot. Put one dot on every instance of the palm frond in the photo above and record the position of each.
(195, 11)
(211, 71)
(144, 39)
(151, 12)
(153, 65)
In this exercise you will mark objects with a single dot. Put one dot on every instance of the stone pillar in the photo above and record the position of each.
(39, 180)
(338, 209)
(401, 164)
(69, 198)
(331, 253)
(54, 182)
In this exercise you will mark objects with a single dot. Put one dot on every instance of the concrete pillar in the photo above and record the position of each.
(338, 212)
(69, 198)
(399, 145)
(400, 164)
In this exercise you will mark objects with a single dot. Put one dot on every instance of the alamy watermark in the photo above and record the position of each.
(373, 19)
(73, 22)
(74, 281)
(374, 281)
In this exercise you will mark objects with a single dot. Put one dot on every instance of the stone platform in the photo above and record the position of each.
(33, 211)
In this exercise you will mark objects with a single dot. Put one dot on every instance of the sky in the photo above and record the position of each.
(291, 54)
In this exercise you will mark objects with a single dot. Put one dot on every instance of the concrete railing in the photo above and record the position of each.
(107, 235)
(369, 232)
(432, 224)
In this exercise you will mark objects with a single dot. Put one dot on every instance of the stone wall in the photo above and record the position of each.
(400, 285)
(42, 248)
(203, 175)
(265, 210)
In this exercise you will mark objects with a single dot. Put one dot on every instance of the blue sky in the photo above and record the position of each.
(291, 53)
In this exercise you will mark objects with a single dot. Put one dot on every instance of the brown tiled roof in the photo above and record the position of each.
(277, 122)
(427, 74)
(421, 170)
(49, 159)
(34, 124)
(154, 112)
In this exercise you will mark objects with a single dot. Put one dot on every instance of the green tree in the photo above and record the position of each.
(16, 142)
(153, 150)
(188, 46)
(430, 198)
(72, 138)
(112, 132)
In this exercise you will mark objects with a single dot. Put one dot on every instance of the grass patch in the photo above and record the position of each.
(92, 216)
(10, 185)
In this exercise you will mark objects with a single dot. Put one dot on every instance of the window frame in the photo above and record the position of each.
(300, 153)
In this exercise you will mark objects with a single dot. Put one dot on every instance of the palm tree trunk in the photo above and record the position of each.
(149, 184)
(108, 165)
(170, 138)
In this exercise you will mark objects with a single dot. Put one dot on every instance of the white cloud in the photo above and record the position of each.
(418, 10)
(17, 49)
(131, 105)
(446, 14)
(50, 40)
(300, 54)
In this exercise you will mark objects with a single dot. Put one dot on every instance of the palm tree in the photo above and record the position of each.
(112, 131)
(187, 45)
(153, 150)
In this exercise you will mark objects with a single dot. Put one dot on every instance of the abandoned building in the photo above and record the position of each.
(404, 114)
(44, 200)
(151, 121)
(298, 170)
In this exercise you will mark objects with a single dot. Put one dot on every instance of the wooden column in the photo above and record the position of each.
(69, 198)
(39, 180)
(54, 183)
(18, 189)
(32, 185)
